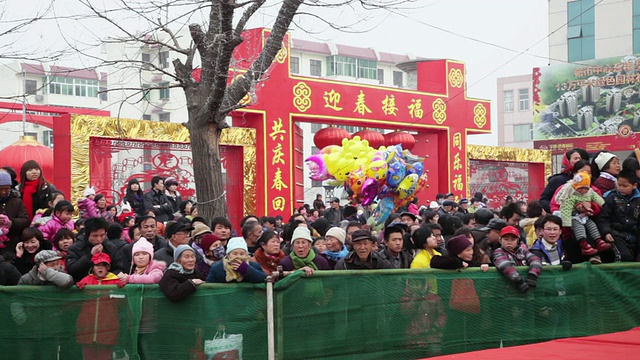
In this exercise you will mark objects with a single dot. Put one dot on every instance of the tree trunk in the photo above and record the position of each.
(207, 170)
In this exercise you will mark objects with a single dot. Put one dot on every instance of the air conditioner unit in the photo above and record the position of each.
(39, 97)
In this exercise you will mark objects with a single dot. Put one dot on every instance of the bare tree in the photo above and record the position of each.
(211, 99)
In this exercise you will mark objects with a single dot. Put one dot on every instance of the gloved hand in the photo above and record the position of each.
(532, 281)
(566, 264)
(522, 286)
(81, 285)
(121, 283)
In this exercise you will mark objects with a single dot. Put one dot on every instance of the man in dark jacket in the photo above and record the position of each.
(93, 241)
(482, 218)
(394, 250)
(318, 203)
(13, 208)
(178, 233)
(156, 200)
(148, 230)
(362, 257)
(334, 213)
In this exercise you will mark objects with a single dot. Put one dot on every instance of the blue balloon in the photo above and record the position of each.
(417, 168)
(395, 174)
(384, 209)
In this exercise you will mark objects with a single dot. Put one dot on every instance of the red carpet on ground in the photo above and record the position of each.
(620, 345)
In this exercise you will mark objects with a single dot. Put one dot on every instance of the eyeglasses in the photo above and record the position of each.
(552, 229)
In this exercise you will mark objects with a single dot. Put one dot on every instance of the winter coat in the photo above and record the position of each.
(165, 254)
(555, 206)
(604, 184)
(176, 286)
(152, 274)
(78, 259)
(334, 215)
(99, 320)
(163, 213)
(174, 200)
(620, 213)
(9, 275)
(254, 273)
(555, 181)
(450, 263)
(541, 252)
(124, 253)
(353, 262)
(27, 260)
(40, 198)
(405, 258)
(422, 260)
(88, 208)
(17, 213)
(568, 207)
(506, 261)
(528, 225)
(51, 277)
(136, 202)
(52, 226)
(320, 261)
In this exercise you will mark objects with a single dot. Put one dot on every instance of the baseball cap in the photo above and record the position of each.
(495, 224)
(463, 201)
(509, 230)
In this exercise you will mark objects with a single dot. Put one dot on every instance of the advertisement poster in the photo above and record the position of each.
(597, 101)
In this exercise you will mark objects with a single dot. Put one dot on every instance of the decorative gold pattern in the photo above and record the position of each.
(439, 111)
(498, 153)
(302, 96)
(456, 78)
(281, 56)
(480, 115)
(83, 127)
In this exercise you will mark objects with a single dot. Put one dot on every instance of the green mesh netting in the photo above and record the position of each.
(401, 314)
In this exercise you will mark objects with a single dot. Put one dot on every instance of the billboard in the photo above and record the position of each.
(593, 104)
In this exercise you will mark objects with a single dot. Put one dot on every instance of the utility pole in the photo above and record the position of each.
(24, 102)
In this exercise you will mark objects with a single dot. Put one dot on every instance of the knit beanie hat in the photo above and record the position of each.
(142, 245)
(581, 179)
(5, 178)
(458, 244)
(302, 232)
(337, 233)
(179, 250)
(603, 158)
(236, 243)
(207, 241)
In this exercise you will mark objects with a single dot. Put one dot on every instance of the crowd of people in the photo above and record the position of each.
(588, 212)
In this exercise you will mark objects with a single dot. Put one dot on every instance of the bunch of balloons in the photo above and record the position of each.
(390, 174)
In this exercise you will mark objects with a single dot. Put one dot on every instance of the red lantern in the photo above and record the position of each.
(27, 148)
(400, 137)
(330, 136)
(374, 138)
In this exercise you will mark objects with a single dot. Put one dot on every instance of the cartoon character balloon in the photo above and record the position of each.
(317, 167)
(384, 209)
(395, 174)
(407, 186)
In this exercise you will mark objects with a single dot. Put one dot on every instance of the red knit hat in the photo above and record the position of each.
(207, 241)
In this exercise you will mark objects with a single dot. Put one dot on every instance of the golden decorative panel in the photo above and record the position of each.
(302, 96)
(84, 127)
(480, 115)
(456, 78)
(439, 111)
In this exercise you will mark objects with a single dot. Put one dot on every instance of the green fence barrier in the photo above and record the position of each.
(401, 314)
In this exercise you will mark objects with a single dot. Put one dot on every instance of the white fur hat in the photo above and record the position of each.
(89, 191)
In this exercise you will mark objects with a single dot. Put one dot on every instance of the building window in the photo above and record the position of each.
(69, 86)
(146, 61)
(146, 92)
(165, 117)
(350, 129)
(47, 138)
(367, 69)
(397, 78)
(508, 101)
(146, 117)
(32, 134)
(523, 99)
(341, 65)
(103, 94)
(164, 92)
(380, 76)
(315, 67)
(163, 59)
(295, 65)
(30, 87)
(636, 26)
(522, 132)
(581, 30)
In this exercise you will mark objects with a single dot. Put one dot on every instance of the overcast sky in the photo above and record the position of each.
(488, 36)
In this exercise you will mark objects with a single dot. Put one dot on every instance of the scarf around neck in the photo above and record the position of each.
(299, 263)
(180, 269)
(30, 188)
(230, 273)
(335, 256)
(268, 262)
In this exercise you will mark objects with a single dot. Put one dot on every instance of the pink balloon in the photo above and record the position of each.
(317, 167)
(369, 191)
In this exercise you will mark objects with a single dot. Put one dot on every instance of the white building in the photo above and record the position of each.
(325, 60)
(515, 117)
(44, 84)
